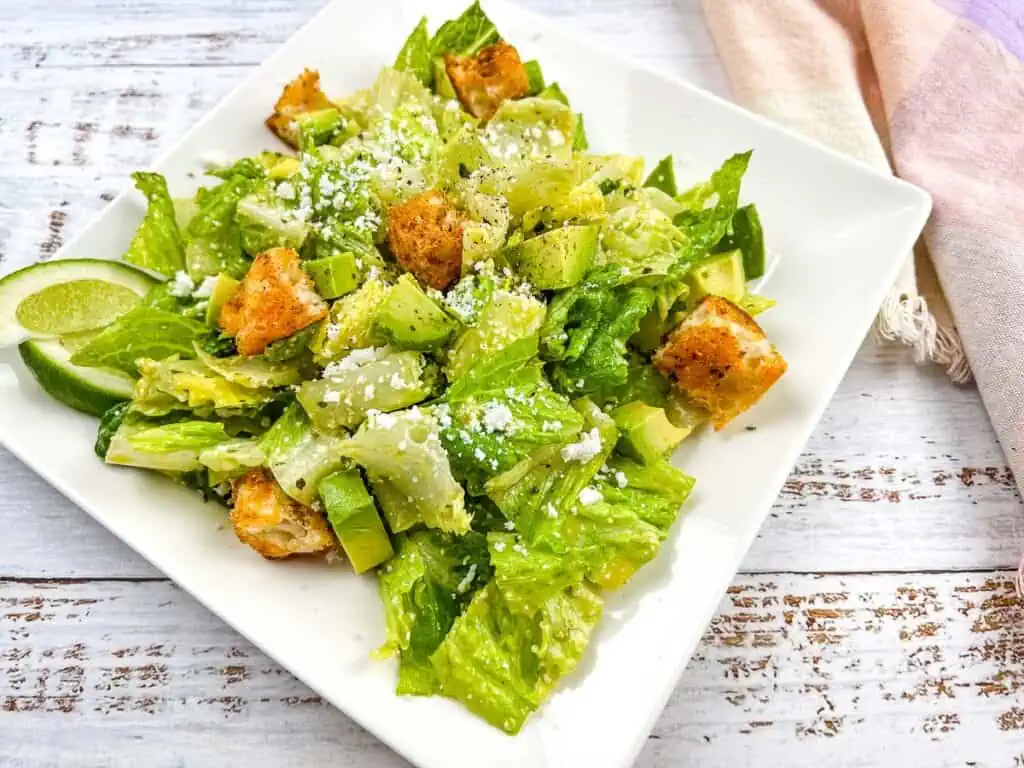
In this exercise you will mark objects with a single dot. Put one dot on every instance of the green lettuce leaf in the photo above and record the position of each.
(586, 330)
(109, 424)
(424, 587)
(502, 665)
(500, 412)
(663, 177)
(173, 447)
(172, 385)
(213, 240)
(539, 494)
(299, 456)
(508, 317)
(143, 332)
(467, 35)
(754, 304)
(157, 244)
(265, 222)
(402, 453)
(415, 56)
(710, 207)
(233, 458)
(255, 372)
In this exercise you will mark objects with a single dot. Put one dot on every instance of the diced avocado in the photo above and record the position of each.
(579, 136)
(722, 275)
(319, 127)
(746, 234)
(554, 92)
(354, 518)
(442, 83)
(225, 287)
(556, 259)
(646, 434)
(534, 76)
(663, 177)
(335, 275)
(284, 167)
(411, 319)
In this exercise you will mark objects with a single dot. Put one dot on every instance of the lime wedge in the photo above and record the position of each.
(90, 390)
(67, 296)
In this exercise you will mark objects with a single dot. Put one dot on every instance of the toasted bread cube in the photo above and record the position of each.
(721, 359)
(425, 237)
(300, 96)
(276, 299)
(484, 81)
(274, 524)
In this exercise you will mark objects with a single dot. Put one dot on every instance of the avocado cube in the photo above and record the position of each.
(334, 276)
(556, 259)
(411, 319)
(722, 275)
(223, 289)
(646, 434)
(442, 83)
(354, 518)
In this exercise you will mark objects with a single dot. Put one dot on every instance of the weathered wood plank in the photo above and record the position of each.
(794, 670)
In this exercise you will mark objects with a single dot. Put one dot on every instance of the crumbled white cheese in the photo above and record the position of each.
(497, 417)
(467, 579)
(590, 496)
(369, 392)
(354, 359)
(383, 420)
(205, 289)
(181, 285)
(286, 191)
(587, 448)
(331, 397)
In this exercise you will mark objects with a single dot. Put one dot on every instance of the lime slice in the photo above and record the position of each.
(90, 390)
(67, 296)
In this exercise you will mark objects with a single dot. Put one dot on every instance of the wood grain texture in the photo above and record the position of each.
(919, 666)
(794, 670)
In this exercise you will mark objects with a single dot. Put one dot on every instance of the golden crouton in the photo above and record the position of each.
(276, 299)
(720, 358)
(272, 523)
(425, 237)
(484, 81)
(300, 96)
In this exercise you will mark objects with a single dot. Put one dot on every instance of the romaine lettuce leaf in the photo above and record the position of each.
(502, 665)
(157, 244)
(213, 240)
(404, 451)
(524, 131)
(500, 412)
(663, 177)
(415, 56)
(299, 456)
(173, 447)
(710, 207)
(233, 458)
(539, 494)
(351, 324)
(380, 379)
(171, 385)
(424, 587)
(265, 222)
(253, 372)
(508, 317)
(110, 422)
(641, 240)
(143, 332)
(467, 35)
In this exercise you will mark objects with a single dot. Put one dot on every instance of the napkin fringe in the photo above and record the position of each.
(907, 320)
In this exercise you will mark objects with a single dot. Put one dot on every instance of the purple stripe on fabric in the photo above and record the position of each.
(1003, 19)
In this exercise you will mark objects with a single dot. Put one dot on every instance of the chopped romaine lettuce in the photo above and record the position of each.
(500, 412)
(404, 450)
(502, 665)
(233, 458)
(171, 447)
(710, 207)
(415, 56)
(213, 240)
(299, 456)
(378, 379)
(109, 424)
(157, 244)
(467, 35)
(351, 324)
(265, 222)
(252, 372)
(753, 304)
(508, 317)
(663, 177)
(143, 332)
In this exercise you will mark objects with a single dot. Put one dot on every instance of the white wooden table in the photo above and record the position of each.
(874, 622)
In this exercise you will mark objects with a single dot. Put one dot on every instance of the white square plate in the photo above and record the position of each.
(841, 230)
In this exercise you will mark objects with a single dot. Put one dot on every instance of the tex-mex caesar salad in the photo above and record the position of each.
(433, 332)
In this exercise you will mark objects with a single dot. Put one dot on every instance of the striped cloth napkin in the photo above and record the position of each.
(934, 91)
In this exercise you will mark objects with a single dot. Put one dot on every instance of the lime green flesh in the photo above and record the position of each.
(89, 390)
(74, 306)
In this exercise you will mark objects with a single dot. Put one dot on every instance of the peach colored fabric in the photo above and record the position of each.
(938, 87)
